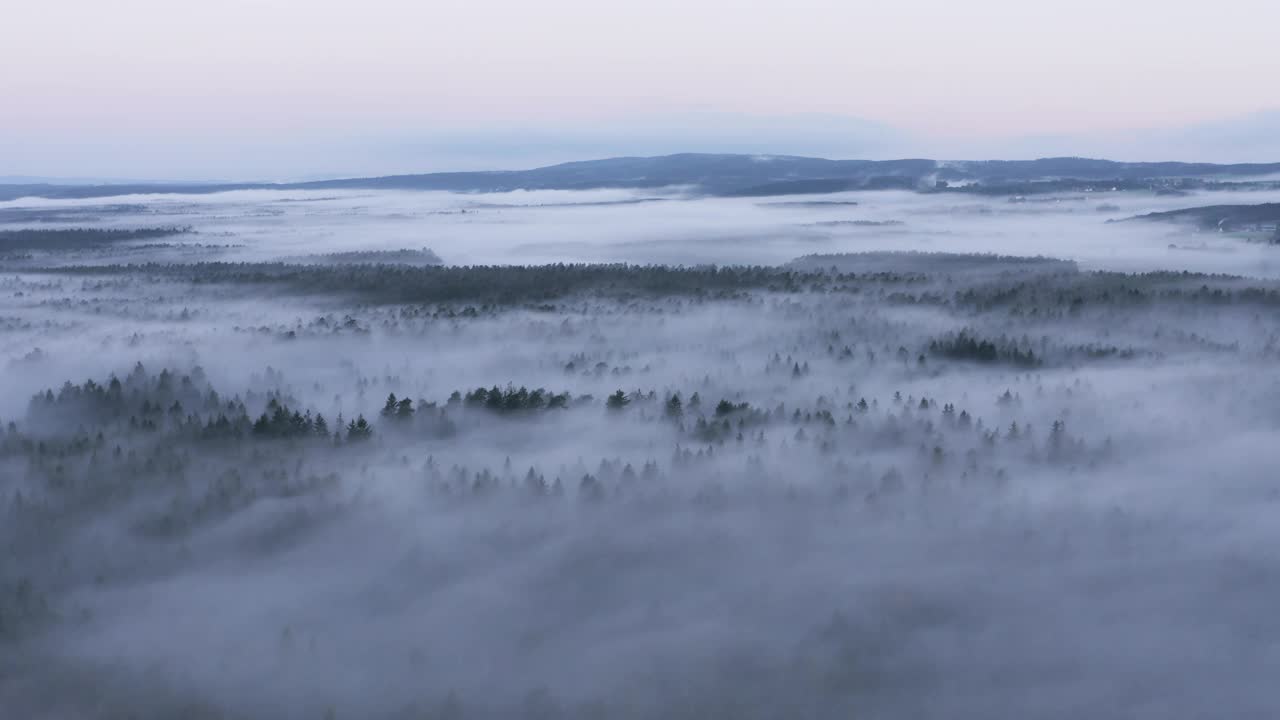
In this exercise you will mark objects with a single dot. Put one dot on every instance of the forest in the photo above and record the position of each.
(78, 237)
(270, 453)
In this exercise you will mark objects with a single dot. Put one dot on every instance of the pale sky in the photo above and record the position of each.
(174, 88)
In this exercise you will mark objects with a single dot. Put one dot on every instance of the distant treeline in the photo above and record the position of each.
(485, 284)
(825, 185)
(929, 262)
(80, 238)
(402, 256)
(1026, 287)
(68, 213)
(856, 223)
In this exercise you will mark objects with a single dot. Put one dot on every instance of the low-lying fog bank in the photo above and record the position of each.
(659, 226)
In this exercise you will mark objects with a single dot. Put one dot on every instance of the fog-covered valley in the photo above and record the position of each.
(665, 225)
(637, 453)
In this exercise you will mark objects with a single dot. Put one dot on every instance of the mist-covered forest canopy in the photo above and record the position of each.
(77, 238)
(359, 452)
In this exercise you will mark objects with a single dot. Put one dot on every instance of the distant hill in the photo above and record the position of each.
(1265, 216)
(994, 171)
(725, 175)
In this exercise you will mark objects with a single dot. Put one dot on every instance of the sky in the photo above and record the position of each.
(274, 89)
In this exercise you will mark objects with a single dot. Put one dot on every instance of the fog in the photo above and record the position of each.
(932, 455)
(671, 226)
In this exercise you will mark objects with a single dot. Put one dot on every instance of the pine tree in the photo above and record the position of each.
(617, 401)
